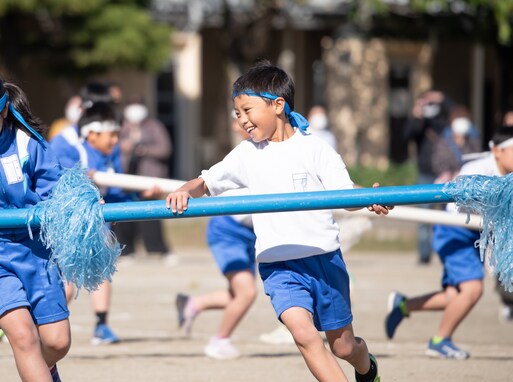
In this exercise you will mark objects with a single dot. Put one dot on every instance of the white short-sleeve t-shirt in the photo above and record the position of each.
(302, 163)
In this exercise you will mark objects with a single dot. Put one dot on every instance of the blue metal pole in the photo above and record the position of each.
(233, 205)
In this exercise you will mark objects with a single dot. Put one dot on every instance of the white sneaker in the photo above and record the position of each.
(506, 314)
(221, 348)
(170, 260)
(279, 336)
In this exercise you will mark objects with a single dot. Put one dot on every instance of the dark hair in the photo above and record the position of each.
(93, 92)
(501, 134)
(266, 77)
(20, 102)
(98, 112)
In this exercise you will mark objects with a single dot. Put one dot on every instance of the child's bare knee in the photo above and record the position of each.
(24, 338)
(58, 345)
(305, 337)
(344, 349)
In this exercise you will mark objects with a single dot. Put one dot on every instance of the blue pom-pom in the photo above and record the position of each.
(73, 227)
(492, 198)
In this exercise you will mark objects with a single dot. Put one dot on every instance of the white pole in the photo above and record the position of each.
(421, 215)
(135, 182)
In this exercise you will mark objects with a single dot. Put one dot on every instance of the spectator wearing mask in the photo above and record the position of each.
(146, 149)
(429, 118)
(457, 140)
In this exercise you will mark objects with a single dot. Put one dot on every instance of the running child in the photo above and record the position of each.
(69, 149)
(231, 240)
(33, 312)
(462, 279)
(299, 255)
(99, 130)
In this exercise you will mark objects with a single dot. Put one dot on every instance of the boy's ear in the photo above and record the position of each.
(279, 105)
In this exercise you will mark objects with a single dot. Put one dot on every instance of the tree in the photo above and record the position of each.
(80, 37)
(492, 19)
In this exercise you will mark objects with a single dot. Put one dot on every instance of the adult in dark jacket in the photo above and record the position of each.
(424, 127)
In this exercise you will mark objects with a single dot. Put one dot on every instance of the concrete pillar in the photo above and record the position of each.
(188, 101)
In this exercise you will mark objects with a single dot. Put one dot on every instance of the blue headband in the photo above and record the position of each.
(295, 119)
(18, 116)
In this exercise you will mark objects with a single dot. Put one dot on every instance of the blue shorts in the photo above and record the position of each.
(459, 256)
(28, 280)
(319, 284)
(232, 244)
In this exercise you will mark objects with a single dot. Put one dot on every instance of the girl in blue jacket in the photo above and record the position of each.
(33, 312)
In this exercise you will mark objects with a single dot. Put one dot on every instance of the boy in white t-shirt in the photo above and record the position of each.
(298, 252)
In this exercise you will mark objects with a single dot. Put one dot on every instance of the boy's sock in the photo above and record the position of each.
(370, 376)
(55, 374)
(404, 309)
(436, 340)
(101, 318)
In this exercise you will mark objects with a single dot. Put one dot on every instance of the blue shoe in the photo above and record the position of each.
(445, 349)
(375, 364)
(104, 335)
(395, 313)
(181, 302)
(55, 374)
(186, 314)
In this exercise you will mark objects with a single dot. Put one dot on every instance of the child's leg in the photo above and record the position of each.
(318, 358)
(101, 297)
(214, 300)
(101, 300)
(243, 293)
(432, 301)
(70, 292)
(55, 341)
(458, 307)
(26, 346)
(352, 349)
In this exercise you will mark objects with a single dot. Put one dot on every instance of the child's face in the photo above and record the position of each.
(504, 159)
(256, 117)
(104, 141)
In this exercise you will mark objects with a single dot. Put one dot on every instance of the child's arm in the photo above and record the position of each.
(179, 199)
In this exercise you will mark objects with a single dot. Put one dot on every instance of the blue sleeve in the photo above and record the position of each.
(44, 170)
(68, 156)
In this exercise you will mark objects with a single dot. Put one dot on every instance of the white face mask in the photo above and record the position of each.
(430, 110)
(318, 122)
(73, 114)
(461, 126)
(135, 113)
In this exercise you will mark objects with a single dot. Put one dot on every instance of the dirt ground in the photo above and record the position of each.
(144, 316)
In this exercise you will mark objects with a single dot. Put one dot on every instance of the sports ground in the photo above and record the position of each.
(152, 349)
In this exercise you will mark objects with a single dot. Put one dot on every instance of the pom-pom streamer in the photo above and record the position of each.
(492, 198)
(73, 227)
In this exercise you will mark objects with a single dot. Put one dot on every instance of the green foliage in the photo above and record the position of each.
(394, 175)
(500, 11)
(121, 35)
(84, 36)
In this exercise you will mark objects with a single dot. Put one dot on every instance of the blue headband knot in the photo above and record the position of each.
(3, 100)
(295, 118)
